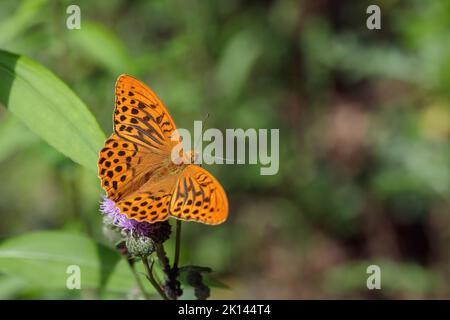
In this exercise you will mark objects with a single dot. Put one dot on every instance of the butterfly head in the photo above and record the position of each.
(191, 156)
(185, 157)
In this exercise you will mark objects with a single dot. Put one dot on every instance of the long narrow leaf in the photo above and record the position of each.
(49, 108)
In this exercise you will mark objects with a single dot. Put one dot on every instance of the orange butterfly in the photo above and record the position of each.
(136, 169)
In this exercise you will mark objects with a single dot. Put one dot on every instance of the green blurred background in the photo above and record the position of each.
(364, 119)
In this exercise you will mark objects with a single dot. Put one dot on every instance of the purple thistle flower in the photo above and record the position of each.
(158, 231)
(109, 209)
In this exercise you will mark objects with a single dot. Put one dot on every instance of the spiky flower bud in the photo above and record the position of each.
(140, 245)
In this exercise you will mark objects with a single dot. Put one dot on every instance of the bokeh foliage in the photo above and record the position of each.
(364, 119)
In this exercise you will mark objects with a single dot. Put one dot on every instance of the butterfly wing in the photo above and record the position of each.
(141, 141)
(151, 202)
(198, 196)
(141, 117)
(123, 166)
(193, 195)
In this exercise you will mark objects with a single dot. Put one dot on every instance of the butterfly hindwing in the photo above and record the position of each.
(144, 206)
(151, 201)
(198, 196)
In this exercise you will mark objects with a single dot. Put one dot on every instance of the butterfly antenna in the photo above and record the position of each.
(200, 137)
(227, 160)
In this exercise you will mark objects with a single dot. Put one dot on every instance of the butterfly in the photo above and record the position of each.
(136, 169)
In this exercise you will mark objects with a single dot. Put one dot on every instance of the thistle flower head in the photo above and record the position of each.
(158, 231)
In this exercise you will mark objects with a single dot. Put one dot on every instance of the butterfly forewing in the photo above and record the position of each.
(141, 117)
(140, 142)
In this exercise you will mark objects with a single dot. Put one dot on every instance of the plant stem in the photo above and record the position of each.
(172, 285)
(162, 257)
(151, 278)
(139, 282)
(177, 245)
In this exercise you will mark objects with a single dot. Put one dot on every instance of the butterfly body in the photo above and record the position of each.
(138, 172)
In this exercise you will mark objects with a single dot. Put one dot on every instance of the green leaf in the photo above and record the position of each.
(209, 278)
(239, 57)
(102, 46)
(13, 136)
(49, 108)
(27, 14)
(42, 259)
(10, 286)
